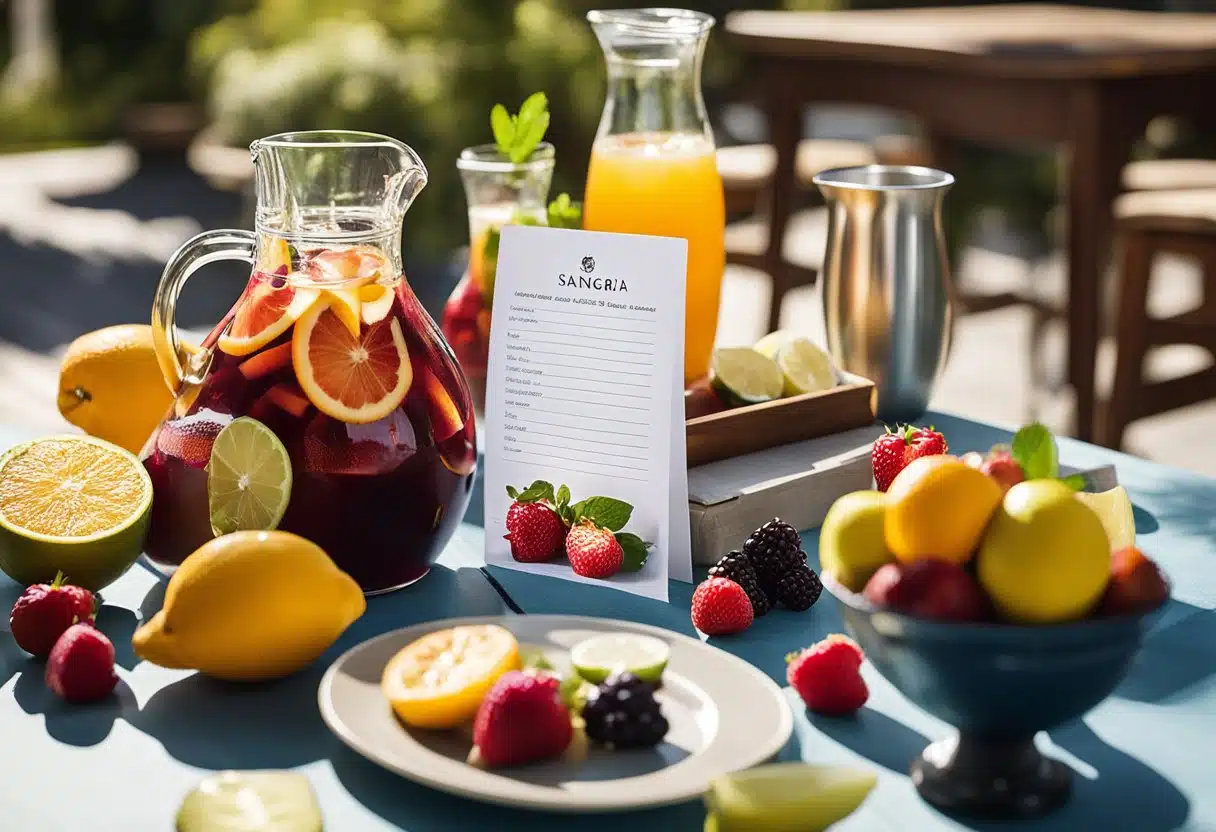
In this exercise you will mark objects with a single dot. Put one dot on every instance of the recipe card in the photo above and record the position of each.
(585, 409)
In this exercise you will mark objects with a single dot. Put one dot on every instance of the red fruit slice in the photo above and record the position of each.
(445, 416)
(289, 398)
(353, 379)
(265, 363)
(333, 447)
(265, 312)
(190, 439)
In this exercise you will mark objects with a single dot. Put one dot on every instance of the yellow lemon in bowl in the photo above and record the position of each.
(938, 507)
(251, 606)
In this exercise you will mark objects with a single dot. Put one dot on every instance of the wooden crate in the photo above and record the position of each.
(743, 430)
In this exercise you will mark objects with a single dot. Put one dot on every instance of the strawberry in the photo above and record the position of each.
(594, 551)
(81, 665)
(721, 607)
(891, 453)
(521, 720)
(44, 611)
(537, 521)
(827, 676)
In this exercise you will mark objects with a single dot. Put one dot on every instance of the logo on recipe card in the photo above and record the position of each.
(588, 264)
(587, 281)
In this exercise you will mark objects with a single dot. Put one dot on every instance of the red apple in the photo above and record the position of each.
(1136, 585)
(928, 588)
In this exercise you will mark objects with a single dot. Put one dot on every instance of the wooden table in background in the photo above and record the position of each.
(1089, 79)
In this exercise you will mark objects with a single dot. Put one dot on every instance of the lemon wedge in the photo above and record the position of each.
(1114, 509)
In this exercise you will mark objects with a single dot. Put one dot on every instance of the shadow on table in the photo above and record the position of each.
(1126, 794)
(420, 809)
(1178, 654)
(212, 724)
(71, 724)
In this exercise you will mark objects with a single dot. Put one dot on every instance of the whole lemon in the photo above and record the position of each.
(852, 542)
(938, 507)
(111, 387)
(250, 606)
(1046, 557)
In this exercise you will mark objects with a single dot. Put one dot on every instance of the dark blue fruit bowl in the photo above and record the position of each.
(998, 685)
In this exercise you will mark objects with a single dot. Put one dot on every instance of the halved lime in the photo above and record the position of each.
(743, 376)
(72, 504)
(248, 478)
(787, 796)
(806, 367)
(769, 344)
(599, 657)
(1114, 509)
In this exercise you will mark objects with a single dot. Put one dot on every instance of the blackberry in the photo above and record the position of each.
(799, 588)
(774, 550)
(739, 569)
(623, 713)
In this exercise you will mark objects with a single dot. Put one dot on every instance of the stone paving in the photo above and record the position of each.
(84, 235)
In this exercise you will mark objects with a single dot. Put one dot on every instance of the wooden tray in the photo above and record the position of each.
(756, 427)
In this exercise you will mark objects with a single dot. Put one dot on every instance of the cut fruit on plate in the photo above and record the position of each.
(263, 314)
(743, 376)
(786, 797)
(248, 478)
(439, 680)
(376, 300)
(72, 503)
(1114, 509)
(599, 657)
(356, 380)
(806, 367)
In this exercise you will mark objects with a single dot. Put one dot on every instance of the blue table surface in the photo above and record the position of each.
(1143, 757)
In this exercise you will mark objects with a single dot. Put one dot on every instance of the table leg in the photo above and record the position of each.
(1099, 147)
(785, 129)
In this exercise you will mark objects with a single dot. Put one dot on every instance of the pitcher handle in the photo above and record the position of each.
(200, 250)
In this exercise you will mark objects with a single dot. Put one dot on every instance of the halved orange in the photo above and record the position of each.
(264, 313)
(353, 379)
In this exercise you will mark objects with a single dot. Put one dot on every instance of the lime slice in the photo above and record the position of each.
(599, 657)
(233, 801)
(74, 504)
(743, 376)
(248, 478)
(1114, 509)
(783, 796)
(807, 368)
(769, 344)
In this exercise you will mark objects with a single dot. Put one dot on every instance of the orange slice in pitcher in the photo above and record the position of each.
(264, 313)
(352, 379)
(346, 304)
(375, 301)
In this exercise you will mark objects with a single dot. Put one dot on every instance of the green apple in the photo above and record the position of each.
(852, 544)
(1045, 557)
(785, 797)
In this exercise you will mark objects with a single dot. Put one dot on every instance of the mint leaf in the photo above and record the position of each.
(537, 491)
(534, 106)
(512, 493)
(563, 213)
(636, 551)
(1074, 481)
(527, 136)
(504, 130)
(608, 512)
(1034, 448)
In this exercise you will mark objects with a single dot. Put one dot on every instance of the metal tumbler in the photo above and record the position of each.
(886, 281)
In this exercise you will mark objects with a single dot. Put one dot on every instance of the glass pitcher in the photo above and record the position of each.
(328, 348)
(499, 192)
(653, 168)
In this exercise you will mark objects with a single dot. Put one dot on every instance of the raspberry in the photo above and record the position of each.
(721, 607)
(827, 676)
(521, 720)
(45, 611)
(81, 665)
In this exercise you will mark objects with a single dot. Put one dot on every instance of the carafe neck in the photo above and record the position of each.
(653, 59)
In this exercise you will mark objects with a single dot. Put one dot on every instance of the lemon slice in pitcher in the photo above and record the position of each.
(743, 376)
(71, 503)
(248, 478)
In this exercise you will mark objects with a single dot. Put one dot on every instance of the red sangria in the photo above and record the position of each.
(339, 360)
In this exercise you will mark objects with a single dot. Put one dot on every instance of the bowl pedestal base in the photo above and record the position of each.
(994, 779)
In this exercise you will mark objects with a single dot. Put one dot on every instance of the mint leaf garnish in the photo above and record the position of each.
(565, 214)
(1074, 481)
(636, 551)
(610, 513)
(1034, 448)
(518, 136)
(504, 129)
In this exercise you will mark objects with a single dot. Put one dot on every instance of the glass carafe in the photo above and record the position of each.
(499, 192)
(653, 168)
(329, 348)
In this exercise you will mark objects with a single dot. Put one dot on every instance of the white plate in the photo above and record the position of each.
(725, 715)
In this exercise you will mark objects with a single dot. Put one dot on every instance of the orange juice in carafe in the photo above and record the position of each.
(668, 185)
(653, 168)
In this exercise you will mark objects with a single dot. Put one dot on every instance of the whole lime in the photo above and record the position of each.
(1045, 558)
(852, 543)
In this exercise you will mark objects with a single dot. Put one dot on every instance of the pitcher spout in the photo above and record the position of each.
(408, 182)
